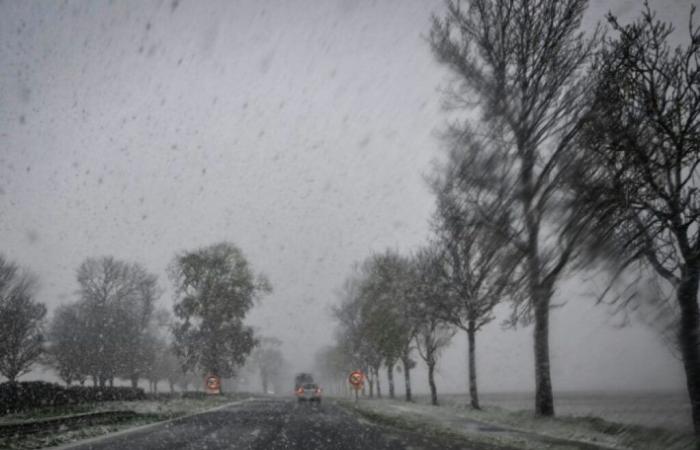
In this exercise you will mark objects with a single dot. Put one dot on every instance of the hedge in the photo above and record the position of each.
(31, 394)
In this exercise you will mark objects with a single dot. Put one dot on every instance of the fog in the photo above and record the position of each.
(301, 131)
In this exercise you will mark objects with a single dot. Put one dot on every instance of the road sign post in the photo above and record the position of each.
(356, 380)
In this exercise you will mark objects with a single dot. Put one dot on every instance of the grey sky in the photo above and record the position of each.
(300, 130)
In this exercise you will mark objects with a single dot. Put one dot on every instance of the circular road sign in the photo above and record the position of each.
(213, 384)
(356, 378)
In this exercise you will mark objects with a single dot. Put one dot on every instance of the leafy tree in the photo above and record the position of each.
(21, 320)
(641, 179)
(215, 288)
(352, 337)
(334, 364)
(522, 65)
(376, 323)
(385, 320)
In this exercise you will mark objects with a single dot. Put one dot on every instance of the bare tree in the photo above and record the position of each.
(21, 321)
(269, 360)
(156, 359)
(641, 178)
(480, 265)
(67, 344)
(116, 302)
(522, 64)
(430, 292)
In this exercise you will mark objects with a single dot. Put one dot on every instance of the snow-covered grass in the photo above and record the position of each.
(167, 407)
(521, 429)
(148, 411)
(66, 436)
(656, 409)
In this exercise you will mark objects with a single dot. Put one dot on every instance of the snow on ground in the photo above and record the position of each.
(522, 430)
(174, 407)
(163, 407)
(664, 409)
(149, 411)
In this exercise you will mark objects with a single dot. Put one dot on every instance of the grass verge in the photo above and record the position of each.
(437, 433)
(69, 430)
(499, 428)
(587, 429)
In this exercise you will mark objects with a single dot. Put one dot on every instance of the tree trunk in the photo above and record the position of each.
(473, 392)
(264, 384)
(379, 386)
(407, 379)
(431, 382)
(134, 381)
(544, 399)
(540, 294)
(111, 382)
(688, 339)
(390, 377)
(172, 386)
(370, 380)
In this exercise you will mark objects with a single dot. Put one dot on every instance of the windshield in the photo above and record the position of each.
(349, 224)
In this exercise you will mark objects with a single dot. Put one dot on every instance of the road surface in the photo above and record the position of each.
(269, 424)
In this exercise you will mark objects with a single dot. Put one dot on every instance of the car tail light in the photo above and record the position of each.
(318, 391)
(300, 391)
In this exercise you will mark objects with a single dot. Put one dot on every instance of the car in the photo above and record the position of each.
(301, 379)
(310, 392)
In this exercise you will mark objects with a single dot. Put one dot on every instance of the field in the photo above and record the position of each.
(670, 410)
(583, 422)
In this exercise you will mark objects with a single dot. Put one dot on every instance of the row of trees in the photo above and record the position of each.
(580, 153)
(114, 330)
(390, 307)
(109, 331)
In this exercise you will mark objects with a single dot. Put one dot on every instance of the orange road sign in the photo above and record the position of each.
(213, 384)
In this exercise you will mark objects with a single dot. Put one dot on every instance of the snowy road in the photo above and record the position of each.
(269, 424)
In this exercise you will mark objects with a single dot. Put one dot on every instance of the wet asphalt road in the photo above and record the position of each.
(269, 424)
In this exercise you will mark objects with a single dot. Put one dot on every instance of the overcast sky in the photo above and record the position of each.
(299, 130)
